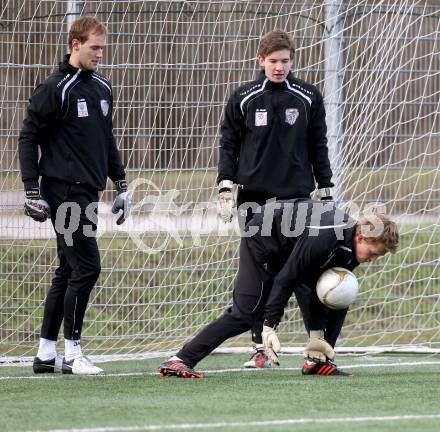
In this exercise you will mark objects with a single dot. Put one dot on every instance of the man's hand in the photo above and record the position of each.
(271, 343)
(225, 202)
(318, 347)
(36, 207)
(122, 201)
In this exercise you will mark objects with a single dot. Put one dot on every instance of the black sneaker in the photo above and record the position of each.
(179, 369)
(322, 368)
(43, 366)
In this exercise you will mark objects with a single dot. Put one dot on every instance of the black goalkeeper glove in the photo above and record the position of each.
(122, 201)
(36, 207)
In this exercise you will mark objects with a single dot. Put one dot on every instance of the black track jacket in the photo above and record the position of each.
(70, 118)
(304, 238)
(273, 138)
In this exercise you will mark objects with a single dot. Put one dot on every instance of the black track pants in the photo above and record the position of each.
(245, 196)
(251, 289)
(246, 214)
(303, 294)
(79, 262)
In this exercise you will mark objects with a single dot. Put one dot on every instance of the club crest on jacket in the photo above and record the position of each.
(104, 107)
(291, 115)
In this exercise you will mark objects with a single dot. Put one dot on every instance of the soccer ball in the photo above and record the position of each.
(337, 288)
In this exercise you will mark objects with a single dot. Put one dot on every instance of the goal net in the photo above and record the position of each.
(173, 64)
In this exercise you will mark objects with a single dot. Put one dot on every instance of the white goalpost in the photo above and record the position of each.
(169, 270)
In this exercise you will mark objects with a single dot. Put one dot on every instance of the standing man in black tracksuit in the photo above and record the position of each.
(70, 119)
(273, 145)
(288, 244)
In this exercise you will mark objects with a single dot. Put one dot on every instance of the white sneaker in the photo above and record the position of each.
(81, 366)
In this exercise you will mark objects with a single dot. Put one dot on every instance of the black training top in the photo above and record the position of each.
(70, 118)
(302, 239)
(273, 138)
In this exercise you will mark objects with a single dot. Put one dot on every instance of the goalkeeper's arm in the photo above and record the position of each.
(230, 141)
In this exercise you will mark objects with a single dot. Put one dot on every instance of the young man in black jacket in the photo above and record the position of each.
(69, 118)
(287, 245)
(273, 144)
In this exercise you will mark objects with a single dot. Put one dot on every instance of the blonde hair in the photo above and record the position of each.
(378, 228)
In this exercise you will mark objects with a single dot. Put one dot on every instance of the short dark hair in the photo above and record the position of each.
(276, 40)
(83, 27)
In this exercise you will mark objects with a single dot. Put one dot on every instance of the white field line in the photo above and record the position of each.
(222, 371)
(24, 361)
(258, 424)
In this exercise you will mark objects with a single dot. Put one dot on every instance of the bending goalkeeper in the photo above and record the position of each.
(287, 245)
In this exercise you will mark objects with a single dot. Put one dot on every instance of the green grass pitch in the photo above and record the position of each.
(388, 393)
